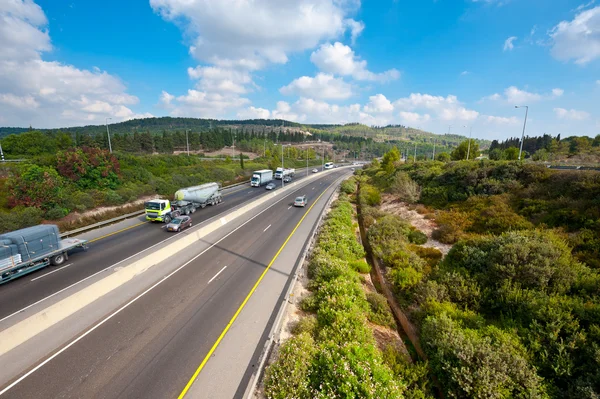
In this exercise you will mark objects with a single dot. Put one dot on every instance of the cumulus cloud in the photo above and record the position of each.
(356, 28)
(340, 59)
(446, 108)
(322, 86)
(571, 114)
(254, 113)
(500, 120)
(579, 39)
(412, 118)
(50, 94)
(203, 104)
(516, 96)
(508, 43)
(378, 104)
(221, 33)
(220, 80)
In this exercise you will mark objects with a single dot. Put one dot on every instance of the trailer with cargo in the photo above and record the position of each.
(261, 177)
(185, 202)
(280, 173)
(27, 250)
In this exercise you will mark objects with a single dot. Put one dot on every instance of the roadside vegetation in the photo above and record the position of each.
(513, 310)
(333, 352)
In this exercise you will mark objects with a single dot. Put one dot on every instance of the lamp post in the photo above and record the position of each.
(524, 124)
(307, 161)
(187, 142)
(1, 153)
(323, 160)
(108, 134)
(415, 159)
(233, 147)
(469, 144)
(434, 141)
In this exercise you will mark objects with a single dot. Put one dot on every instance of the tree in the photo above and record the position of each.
(496, 154)
(89, 167)
(443, 157)
(241, 160)
(461, 151)
(512, 154)
(36, 186)
(389, 160)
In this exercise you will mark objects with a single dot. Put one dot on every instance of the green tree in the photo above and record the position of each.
(389, 160)
(89, 167)
(511, 154)
(496, 154)
(241, 160)
(443, 157)
(36, 186)
(461, 151)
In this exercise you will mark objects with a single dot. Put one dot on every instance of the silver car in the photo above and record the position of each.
(179, 223)
(271, 186)
(300, 201)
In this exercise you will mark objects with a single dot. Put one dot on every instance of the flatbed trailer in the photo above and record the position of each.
(11, 269)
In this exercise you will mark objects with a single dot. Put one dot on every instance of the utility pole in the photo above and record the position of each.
(524, 124)
(434, 140)
(187, 142)
(323, 160)
(1, 153)
(415, 159)
(265, 150)
(306, 161)
(469, 146)
(108, 134)
(233, 147)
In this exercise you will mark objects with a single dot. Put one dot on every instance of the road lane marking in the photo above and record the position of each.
(237, 313)
(83, 335)
(216, 275)
(290, 207)
(267, 228)
(116, 232)
(53, 271)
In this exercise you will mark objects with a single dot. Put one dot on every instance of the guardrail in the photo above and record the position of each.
(101, 224)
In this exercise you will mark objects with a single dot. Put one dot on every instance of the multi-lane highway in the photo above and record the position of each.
(153, 345)
(107, 251)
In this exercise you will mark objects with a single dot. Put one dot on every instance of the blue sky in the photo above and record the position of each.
(427, 64)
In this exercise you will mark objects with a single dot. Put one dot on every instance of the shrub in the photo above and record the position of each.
(415, 375)
(19, 218)
(361, 266)
(417, 237)
(380, 311)
(56, 213)
(369, 195)
(348, 186)
(288, 377)
(430, 255)
(112, 198)
(306, 324)
(405, 188)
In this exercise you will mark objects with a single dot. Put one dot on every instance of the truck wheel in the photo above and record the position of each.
(59, 259)
(193, 209)
(167, 219)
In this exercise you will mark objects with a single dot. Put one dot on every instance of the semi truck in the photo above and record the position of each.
(185, 202)
(27, 250)
(280, 173)
(261, 177)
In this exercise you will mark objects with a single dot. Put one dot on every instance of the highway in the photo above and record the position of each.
(107, 251)
(152, 347)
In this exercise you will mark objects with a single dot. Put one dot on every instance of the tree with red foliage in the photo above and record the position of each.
(36, 186)
(89, 167)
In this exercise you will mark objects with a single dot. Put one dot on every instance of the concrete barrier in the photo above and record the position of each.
(19, 333)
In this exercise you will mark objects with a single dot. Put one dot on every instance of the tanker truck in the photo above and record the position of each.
(280, 173)
(185, 202)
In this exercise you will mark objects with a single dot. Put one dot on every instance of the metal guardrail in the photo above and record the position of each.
(101, 224)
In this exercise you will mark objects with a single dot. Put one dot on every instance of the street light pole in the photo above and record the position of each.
(1, 153)
(108, 134)
(434, 141)
(233, 147)
(323, 160)
(469, 146)
(415, 159)
(524, 124)
(306, 161)
(187, 142)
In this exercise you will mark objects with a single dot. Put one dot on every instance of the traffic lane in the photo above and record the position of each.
(152, 347)
(103, 253)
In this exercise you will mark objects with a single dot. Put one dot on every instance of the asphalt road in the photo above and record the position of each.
(151, 348)
(105, 252)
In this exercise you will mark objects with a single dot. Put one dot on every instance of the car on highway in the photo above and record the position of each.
(287, 179)
(179, 223)
(314, 170)
(300, 201)
(271, 186)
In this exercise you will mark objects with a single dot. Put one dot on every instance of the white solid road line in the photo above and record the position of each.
(217, 275)
(36, 368)
(290, 207)
(53, 271)
(266, 228)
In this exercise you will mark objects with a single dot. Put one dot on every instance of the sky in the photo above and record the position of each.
(439, 65)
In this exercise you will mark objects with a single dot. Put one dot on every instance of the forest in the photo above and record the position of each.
(513, 310)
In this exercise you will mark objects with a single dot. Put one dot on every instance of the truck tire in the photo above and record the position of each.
(59, 259)
(167, 219)
(193, 209)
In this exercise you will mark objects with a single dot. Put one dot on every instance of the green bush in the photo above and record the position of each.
(19, 218)
(306, 324)
(56, 213)
(288, 377)
(415, 375)
(361, 266)
(417, 237)
(380, 310)
(430, 255)
(348, 186)
(405, 188)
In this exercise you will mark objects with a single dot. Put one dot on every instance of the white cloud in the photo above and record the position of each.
(340, 59)
(166, 98)
(284, 111)
(516, 96)
(447, 108)
(378, 104)
(500, 120)
(50, 94)
(251, 34)
(202, 104)
(412, 118)
(571, 114)
(220, 80)
(508, 43)
(322, 86)
(578, 39)
(356, 28)
(598, 82)
(254, 113)
(465, 73)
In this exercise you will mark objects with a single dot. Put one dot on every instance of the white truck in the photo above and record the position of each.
(280, 173)
(261, 177)
(185, 202)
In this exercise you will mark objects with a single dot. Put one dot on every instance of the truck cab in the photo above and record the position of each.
(159, 211)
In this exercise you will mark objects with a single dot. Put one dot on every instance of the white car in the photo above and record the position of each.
(314, 170)
(300, 201)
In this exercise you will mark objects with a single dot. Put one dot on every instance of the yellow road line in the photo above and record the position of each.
(237, 313)
(117, 232)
